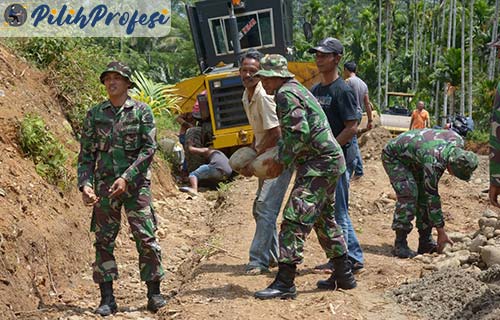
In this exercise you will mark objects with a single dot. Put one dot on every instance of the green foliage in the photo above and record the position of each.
(167, 122)
(484, 93)
(479, 136)
(48, 154)
(76, 80)
(223, 187)
(158, 96)
(42, 51)
(211, 247)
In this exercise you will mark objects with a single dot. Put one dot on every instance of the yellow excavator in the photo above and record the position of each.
(221, 31)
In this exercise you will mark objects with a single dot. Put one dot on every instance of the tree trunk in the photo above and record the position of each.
(379, 54)
(415, 44)
(471, 37)
(387, 48)
(462, 62)
(493, 50)
(454, 29)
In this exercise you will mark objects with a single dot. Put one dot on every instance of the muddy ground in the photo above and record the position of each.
(46, 247)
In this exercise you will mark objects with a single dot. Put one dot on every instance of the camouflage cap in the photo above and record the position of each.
(120, 68)
(274, 65)
(462, 163)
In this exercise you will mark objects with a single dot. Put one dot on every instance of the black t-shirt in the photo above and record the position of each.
(338, 101)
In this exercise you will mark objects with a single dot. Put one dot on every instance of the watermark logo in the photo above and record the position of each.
(86, 18)
(15, 15)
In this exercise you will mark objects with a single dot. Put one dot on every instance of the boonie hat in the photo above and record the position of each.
(328, 45)
(120, 68)
(462, 163)
(274, 65)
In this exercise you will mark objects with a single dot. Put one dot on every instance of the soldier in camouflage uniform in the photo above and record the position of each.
(495, 141)
(117, 146)
(414, 162)
(307, 143)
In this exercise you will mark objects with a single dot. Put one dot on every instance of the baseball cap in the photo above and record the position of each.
(328, 45)
(274, 65)
(120, 68)
(462, 163)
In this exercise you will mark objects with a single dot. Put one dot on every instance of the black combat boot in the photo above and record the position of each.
(107, 305)
(283, 286)
(341, 277)
(401, 249)
(155, 299)
(425, 242)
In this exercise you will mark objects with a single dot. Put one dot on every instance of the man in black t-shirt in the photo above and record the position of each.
(339, 103)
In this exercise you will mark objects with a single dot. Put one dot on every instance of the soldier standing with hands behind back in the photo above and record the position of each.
(117, 147)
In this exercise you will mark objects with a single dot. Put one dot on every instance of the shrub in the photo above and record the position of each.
(48, 154)
(158, 96)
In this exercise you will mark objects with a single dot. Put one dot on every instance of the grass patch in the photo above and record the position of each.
(48, 154)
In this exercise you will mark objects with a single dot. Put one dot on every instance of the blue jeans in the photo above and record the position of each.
(206, 172)
(358, 163)
(342, 216)
(266, 208)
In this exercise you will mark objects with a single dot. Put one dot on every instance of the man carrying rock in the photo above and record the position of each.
(415, 162)
(261, 113)
(308, 144)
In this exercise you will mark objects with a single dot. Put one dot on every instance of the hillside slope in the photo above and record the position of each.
(45, 243)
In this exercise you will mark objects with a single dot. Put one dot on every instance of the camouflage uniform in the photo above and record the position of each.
(307, 144)
(414, 162)
(495, 141)
(120, 142)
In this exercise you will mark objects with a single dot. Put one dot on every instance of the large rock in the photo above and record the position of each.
(261, 169)
(487, 222)
(490, 255)
(477, 242)
(490, 214)
(241, 158)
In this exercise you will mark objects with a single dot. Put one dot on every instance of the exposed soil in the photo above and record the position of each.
(46, 247)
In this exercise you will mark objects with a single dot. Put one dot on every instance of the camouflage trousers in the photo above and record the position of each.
(311, 205)
(412, 200)
(106, 224)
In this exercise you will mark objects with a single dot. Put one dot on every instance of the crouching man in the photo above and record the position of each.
(414, 162)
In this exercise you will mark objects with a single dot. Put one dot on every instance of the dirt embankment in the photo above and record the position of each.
(45, 245)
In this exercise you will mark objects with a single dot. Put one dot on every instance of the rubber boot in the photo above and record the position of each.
(155, 299)
(425, 242)
(107, 306)
(341, 277)
(283, 285)
(401, 249)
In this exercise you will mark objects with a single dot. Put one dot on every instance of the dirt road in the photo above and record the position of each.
(205, 243)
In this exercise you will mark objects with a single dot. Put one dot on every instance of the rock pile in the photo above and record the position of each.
(480, 249)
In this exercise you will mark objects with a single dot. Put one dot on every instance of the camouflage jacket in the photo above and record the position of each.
(116, 142)
(495, 141)
(307, 141)
(427, 151)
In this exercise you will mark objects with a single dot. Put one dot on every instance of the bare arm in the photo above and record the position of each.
(270, 139)
(200, 151)
(369, 114)
(351, 128)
